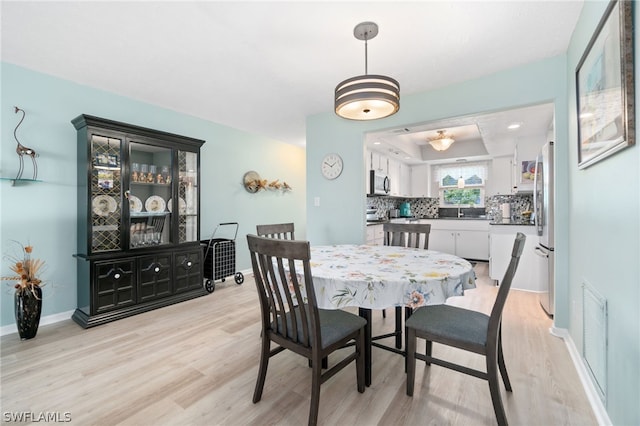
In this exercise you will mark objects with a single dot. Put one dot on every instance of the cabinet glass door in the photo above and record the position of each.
(106, 190)
(149, 195)
(188, 196)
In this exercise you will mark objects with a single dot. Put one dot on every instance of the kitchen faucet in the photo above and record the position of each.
(460, 214)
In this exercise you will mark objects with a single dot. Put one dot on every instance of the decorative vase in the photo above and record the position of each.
(28, 306)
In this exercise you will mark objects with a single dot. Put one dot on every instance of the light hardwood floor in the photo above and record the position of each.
(195, 363)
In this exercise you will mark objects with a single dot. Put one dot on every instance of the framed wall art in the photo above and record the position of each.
(605, 87)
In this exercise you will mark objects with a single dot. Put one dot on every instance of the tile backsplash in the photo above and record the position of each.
(420, 207)
(518, 202)
(425, 207)
(383, 205)
(428, 207)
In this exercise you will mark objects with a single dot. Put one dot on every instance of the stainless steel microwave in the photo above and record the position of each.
(379, 183)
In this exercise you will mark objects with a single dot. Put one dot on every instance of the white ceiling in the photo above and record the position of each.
(263, 66)
(477, 136)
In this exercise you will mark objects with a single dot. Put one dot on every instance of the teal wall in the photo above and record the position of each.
(604, 246)
(44, 214)
(597, 209)
(340, 218)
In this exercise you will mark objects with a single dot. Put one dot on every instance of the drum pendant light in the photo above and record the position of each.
(367, 97)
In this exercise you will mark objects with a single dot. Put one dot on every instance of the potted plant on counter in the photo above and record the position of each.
(28, 291)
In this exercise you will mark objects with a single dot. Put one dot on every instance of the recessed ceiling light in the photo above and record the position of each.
(376, 143)
(514, 126)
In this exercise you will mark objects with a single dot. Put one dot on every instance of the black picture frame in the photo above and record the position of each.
(605, 87)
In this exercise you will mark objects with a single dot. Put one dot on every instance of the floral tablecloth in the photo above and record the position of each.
(378, 277)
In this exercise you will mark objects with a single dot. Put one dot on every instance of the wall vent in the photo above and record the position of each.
(594, 337)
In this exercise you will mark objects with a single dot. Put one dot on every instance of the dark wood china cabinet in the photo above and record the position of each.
(138, 220)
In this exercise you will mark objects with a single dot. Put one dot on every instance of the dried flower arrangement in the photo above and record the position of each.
(27, 270)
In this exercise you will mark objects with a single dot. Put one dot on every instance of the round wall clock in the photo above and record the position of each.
(331, 166)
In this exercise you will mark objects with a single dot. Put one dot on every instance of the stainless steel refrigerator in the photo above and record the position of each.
(543, 217)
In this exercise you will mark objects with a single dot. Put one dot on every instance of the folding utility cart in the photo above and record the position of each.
(220, 256)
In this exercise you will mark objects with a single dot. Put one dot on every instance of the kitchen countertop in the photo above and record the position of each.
(377, 222)
(410, 219)
(459, 218)
(511, 222)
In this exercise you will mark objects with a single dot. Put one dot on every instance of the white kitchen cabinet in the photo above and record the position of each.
(472, 244)
(515, 170)
(375, 235)
(420, 180)
(405, 180)
(399, 173)
(394, 177)
(442, 240)
(465, 244)
(501, 181)
(526, 152)
(465, 238)
(400, 177)
(501, 238)
(378, 162)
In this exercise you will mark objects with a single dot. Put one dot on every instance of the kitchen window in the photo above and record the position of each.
(451, 194)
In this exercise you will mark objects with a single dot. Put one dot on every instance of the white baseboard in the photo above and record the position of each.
(49, 319)
(598, 407)
(52, 319)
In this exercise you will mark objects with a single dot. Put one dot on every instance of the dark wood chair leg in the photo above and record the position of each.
(494, 387)
(502, 366)
(325, 363)
(427, 350)
(316, 381)
(411, 360)
(262, 370)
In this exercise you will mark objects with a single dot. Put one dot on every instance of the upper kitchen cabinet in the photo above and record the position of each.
(400, 178)
(377, 162)
(420, 180)
(501, 181)
(524, 158)
(514, 174)
(405, 180)
(399, 173)
(394, 177)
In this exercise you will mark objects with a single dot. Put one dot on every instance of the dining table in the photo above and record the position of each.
(378, 277)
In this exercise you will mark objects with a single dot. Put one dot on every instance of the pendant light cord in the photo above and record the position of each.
(366, 61)
(366, 53)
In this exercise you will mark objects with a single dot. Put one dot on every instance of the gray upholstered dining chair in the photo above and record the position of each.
(292, 320)
(467, 330)
(283, 231)
(414, 235)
